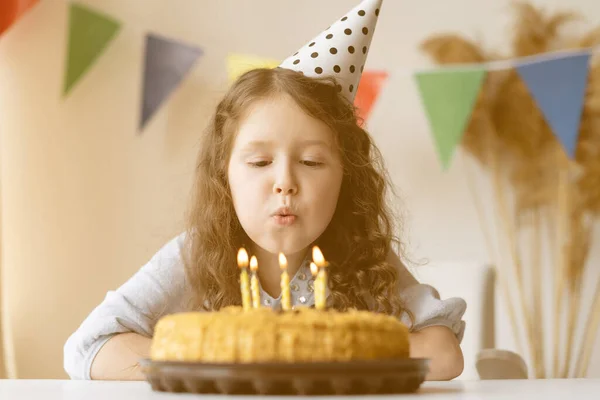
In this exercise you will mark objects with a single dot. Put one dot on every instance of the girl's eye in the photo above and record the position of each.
(310, 163)
(259, 163)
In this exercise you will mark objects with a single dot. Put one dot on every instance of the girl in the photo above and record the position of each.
(283, 165)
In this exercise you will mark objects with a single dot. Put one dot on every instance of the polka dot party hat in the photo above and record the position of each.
(341, 50)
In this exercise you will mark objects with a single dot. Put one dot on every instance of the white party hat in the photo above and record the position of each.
(341, 50)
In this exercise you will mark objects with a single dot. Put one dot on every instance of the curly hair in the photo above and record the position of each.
(358, 239)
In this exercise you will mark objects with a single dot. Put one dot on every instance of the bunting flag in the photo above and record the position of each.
(238, 64)
(558, 87)
(557, 82)
(90, 33)
(12, 10)
(448, 97)
(166, 64)
(368, 90)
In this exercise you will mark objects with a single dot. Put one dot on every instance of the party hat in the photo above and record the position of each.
(341, 50)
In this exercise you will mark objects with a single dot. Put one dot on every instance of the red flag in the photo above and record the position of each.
(368, 91)
(11, 10)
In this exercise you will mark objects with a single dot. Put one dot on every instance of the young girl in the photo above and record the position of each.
(283, 166)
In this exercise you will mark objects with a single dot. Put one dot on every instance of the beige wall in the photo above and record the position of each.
(85, 200)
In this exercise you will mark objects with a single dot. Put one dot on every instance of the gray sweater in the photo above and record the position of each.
(157, 290)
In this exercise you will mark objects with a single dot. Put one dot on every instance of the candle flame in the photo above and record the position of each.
(253, 264)
(282, 261)
(318, 257)
(314, 270)
(242, 258)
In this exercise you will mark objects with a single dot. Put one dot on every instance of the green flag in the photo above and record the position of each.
(89, 34)
(449, 97)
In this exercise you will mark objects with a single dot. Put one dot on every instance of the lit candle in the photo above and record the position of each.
(242, 260)
(285, 283)
(314, 270)
(254, 282)
(321, 280)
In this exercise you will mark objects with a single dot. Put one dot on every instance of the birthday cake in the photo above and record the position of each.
(235, 335)
(251, 333)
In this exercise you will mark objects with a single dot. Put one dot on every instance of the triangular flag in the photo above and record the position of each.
(238, 64)
(89, 34)
(166, 63)
(368, 91)
(448, 97)
(12, 10)
(558, 87)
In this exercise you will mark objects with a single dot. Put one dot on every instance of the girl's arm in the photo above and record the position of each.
(118, 358)
(439, 344)
(436, 325)
(109, 341)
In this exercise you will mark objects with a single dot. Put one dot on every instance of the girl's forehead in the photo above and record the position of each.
(279, 120)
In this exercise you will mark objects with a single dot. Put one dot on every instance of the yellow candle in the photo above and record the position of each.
(321, 280)
(242, 260)
(286, 303)
(314, 270)
(254, 282)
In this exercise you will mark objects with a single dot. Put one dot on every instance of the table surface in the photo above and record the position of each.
(574, 389)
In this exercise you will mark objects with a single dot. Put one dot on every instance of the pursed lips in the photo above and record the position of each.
(284, 216)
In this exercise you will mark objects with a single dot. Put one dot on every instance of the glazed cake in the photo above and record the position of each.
(262, 335)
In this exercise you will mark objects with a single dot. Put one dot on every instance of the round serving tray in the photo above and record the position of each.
(318, 378)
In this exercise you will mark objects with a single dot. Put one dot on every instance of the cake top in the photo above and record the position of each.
(312, 318)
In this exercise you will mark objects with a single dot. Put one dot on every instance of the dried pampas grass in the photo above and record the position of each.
(552, 198)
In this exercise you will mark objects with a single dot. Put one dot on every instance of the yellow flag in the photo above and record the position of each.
(238, 64)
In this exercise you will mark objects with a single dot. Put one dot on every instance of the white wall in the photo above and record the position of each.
(86, 201)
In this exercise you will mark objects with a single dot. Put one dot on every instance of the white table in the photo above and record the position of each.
(463, 390)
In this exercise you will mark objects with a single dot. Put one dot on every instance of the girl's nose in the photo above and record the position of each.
(285, 188)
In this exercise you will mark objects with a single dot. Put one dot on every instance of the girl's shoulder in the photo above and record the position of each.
(173, 249)
(169, 259)
(163, 275)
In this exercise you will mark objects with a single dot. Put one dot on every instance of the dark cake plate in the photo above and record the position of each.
(318, 378)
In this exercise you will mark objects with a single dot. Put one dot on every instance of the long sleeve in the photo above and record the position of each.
(153, 291)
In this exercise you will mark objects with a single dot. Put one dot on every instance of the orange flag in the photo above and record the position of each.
(11, 10)
(368, 91)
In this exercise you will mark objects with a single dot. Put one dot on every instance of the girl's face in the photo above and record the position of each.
(285, 176)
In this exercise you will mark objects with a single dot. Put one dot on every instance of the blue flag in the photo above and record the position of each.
(166, 63)
(558, 87)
